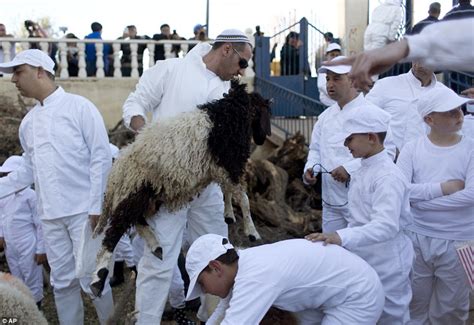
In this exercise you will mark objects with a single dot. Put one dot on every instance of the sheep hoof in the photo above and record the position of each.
(98, 286)
(158, 252)
(252, 238)
(229, 220)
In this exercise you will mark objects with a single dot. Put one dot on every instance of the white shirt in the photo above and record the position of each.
(19, 221)
(293, 275)
(174, 86)
(397, 96)
(468, 126)
(439, 47)
(67, 156)
(385, 22)
(331, 155)
(425, 166)
(378, 203)
(323, 92)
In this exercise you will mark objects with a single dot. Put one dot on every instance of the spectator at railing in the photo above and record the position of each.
(72, 56)
(463, 10)
(91, 56)
(433, 15)
(36, 31)
(200, 34)
(160, 49)
(3, 33)
(385, 24)
(290, 54)
(130, 32)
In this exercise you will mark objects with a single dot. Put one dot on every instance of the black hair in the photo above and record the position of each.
(96, 27)
(227, 258)
(164, 25)
(381, 136)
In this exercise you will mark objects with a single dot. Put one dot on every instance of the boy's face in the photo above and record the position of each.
(360, 145)
(446, 122)
(215, 281)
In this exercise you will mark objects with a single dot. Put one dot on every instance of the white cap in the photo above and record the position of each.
(204, 249)
(363, 120)
(232, 36)
(35, 58)
(11, 164)
(114, 150)
(439, 99)
(339, 69)
(333, 47)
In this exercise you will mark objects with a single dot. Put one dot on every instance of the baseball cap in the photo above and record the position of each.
(232, 36)
(363, 120)
(339, 69)
(35, 58)
(333, 47)
(439, 99)
(11, 164)
(205, 249)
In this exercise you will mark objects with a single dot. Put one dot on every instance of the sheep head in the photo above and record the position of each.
(261, 124)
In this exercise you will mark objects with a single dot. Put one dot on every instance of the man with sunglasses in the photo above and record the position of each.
(169, 88)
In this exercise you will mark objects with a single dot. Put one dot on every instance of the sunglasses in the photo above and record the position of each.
(243, 63)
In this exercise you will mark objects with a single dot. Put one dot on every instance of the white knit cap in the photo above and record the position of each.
(114, 150)
(232, 36)
(11, 164)
(204, 249)
(333, 47)
(339, 69)
(35, 58)
(439, 99)
(362, 120)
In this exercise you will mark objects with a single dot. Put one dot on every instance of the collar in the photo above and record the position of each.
(414, 81)
(381, 156)
(55, 95)
(353, 103)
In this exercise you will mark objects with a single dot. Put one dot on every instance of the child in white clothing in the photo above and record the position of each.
(21, 235)
(378, 212)
(440, 168)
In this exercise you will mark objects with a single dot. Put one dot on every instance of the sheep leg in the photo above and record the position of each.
(249, 226)
(229, 216)
(104, 257)
(150, 239)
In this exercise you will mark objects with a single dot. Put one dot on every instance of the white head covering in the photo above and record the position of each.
(205, 249)
(35, 58)
(11, 164)
(439, 99)
(333, 47)
(339, 69)
(232, 36)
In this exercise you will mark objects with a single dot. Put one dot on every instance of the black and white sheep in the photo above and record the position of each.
(172, 161)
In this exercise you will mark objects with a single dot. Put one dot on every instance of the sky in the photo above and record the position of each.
(182, 15)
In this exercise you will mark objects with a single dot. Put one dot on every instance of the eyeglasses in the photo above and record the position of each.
(243, 63)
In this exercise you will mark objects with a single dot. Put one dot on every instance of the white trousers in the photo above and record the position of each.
(334, 218)
(204, 215)
(440, 287)
(392, 260)
(124, 251)
(62, 238)
(20, 256)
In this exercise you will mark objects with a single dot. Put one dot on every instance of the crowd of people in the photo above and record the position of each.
(397, 173)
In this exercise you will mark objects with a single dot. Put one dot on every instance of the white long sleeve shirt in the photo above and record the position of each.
(67, 156)
(385, 22)
(397, 96)
(293, 275)
(426, 166)
(174, 86)
(437, 47)
(468, 126)
(19, 221)
(331, 155)
(378, 203)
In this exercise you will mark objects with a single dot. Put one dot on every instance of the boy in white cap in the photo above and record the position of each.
(321, 284)
(67, 157)
(169, 88)
(333, 159)
(333, 50)
(440, 168)
(379, 211)
(21, 234)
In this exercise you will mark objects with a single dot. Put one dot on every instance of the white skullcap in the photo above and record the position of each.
(205, 249)
(333, 47)
(439, 99)
(339, 69)
(232, 36)
(11, 164)
(35, 58)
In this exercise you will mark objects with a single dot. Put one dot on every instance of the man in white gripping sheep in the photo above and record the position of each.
(321, 284)
(67, 157)
(171, 87)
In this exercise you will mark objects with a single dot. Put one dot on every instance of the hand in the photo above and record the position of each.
(40, 259)
(309, 177)
(373, 62)
(340, 174)
(468, 92)
(2, 244)
(326, 238)
(452, 186)
(93, 220)
(137, 123)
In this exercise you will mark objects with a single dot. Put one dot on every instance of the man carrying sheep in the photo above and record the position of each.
(169, 88)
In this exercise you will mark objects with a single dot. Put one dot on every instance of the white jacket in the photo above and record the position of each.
(67, 156)
(384, 25)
